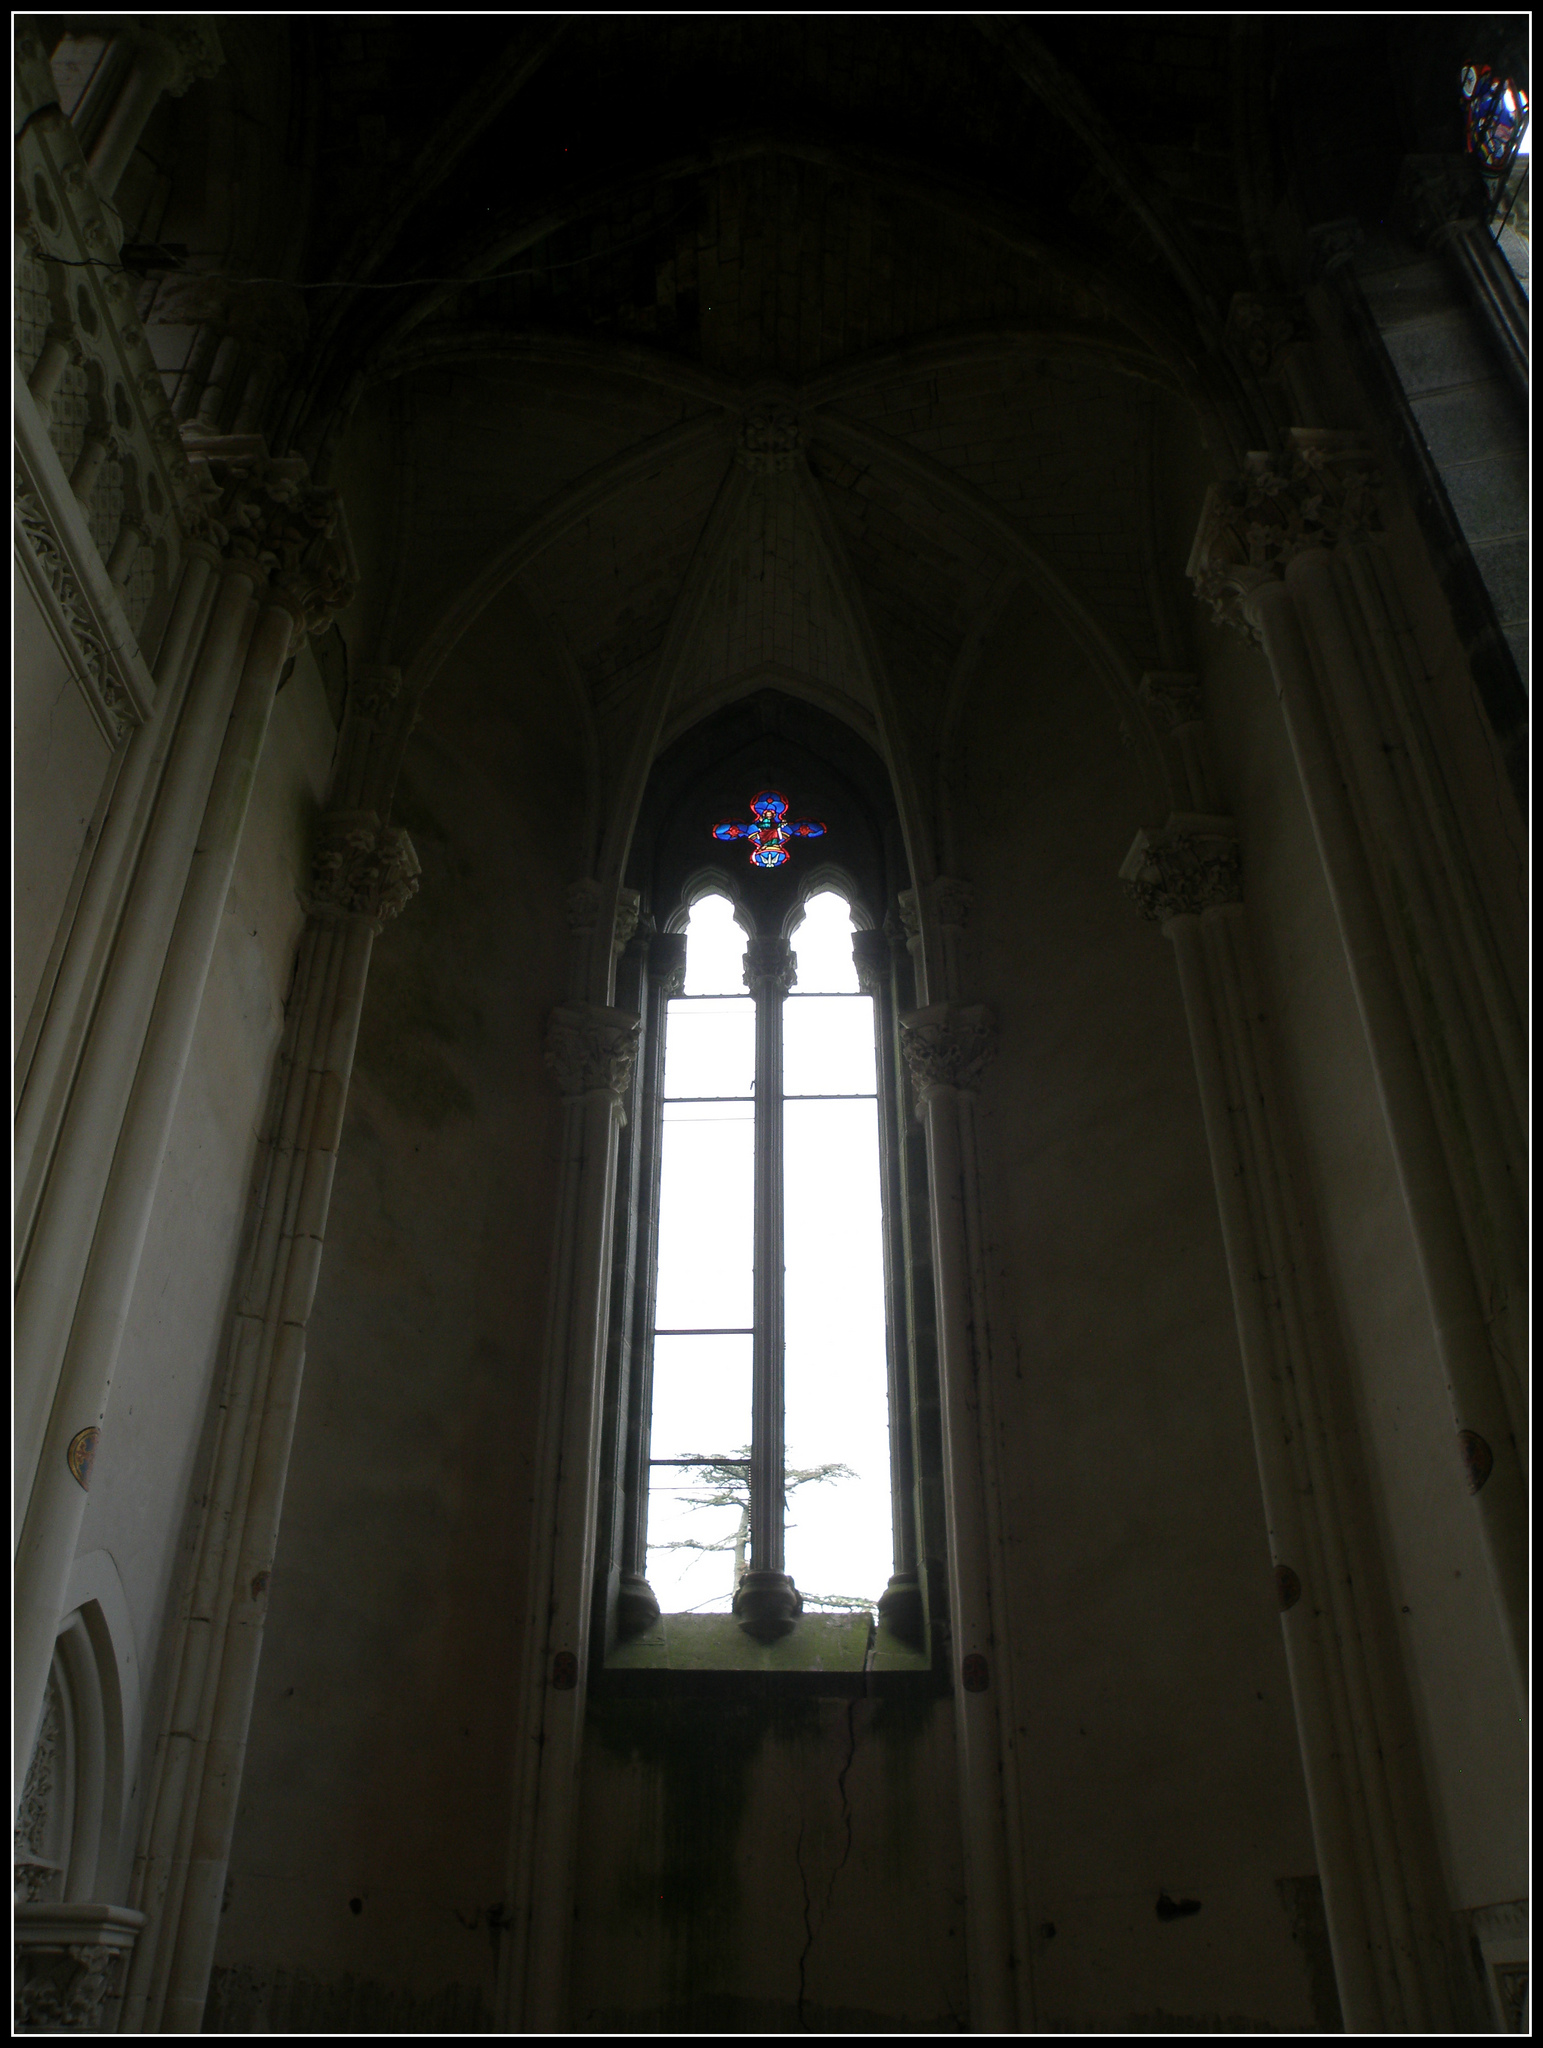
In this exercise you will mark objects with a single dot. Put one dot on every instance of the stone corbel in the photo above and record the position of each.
(265, 511)
(770, 967)
(947, 1046)
(591, 1050)
(1189, 866)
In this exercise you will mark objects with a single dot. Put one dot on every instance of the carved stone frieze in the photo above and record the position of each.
(591, 1050)
(770, 967)
(70, 1965)
(1320, 493)
(1260, 325)
(1173, 698)
(947, 1046)
(35, 1875)
(363, 869)
(114, 700)
(1189, 866)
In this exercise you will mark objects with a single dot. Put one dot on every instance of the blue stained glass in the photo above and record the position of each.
(770, 830)
(1496, 116)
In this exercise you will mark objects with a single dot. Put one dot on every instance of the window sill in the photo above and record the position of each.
(839, 1655)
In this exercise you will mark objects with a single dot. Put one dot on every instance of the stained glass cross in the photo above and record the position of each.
(770, 831)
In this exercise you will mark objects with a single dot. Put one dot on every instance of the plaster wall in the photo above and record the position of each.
(1154, 1737)
(149, 1462)
(60, 765)
(367, 1881)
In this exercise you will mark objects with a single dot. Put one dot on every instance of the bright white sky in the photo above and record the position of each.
(838, 1531)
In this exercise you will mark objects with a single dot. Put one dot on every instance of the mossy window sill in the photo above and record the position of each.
(838, 1654)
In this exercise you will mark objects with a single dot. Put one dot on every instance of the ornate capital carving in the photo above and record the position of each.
(374, 693)
(947, 1047)
(871, 957)
(1436, 194)
(1253, 527)
(910, 916)
(267, 513)
(1260, 325)
(189, 48)
(1173, 698)
(69, 1964)
(591, 1050)
(1189, 866)
(770, 437)
(770, 968)
(667, 962)
(1333, 244)
(363, 869)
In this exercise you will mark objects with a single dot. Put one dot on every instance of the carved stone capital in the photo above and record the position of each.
(946, 1046)
(70, 1965)
(362, 869)
(871, 958)
(770, 968)
(1318, 494)
(266, 513)
(591, 1050)
(374, 692)
(1333, 244)
(1260, 325)
(667, 962)
(910, 915)
(1436, 194)
(188, 47)
(1190, 865)
(1173, 698)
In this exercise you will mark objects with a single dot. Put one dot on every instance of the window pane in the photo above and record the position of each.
(709, 1047)
(701, 1409)
(706, 1217)
(838, 1530)
(827, 1046)
(715, 950)
(823, 944)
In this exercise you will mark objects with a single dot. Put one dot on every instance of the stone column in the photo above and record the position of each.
(767, 1600)
(636, 1605)
(946, 1049)
(1282, 553)
(363, 875)
(167, 56)
(901, 1606)
(1442, 204)
(590, 1050)
(84, 1260)
(1377, 1857)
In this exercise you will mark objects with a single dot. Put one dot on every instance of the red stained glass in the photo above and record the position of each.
(770, 829)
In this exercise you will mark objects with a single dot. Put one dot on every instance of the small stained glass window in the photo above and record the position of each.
(1496, 117)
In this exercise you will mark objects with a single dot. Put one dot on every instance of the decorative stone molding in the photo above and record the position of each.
(1334, 243)
(375, 692)
(266, 511)
(1322, 492)
(582, 905)
(70, 1965)
(1190, 866)
(1262, 324)
(190, 49)
(35, 1875)
(770, 437)
(871, 958)
(910, 915)
(112, 702)
(1173, 698)
(363, 869)
(945, 1046)
(591, 1049)
(770, 967)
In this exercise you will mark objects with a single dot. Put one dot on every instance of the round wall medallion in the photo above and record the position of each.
(1478, 1458)
(1288, 1587)
(81, 1453)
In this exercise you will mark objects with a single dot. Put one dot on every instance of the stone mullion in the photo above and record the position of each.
(766, 1600)
(172, 1809)
(591, 1050)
